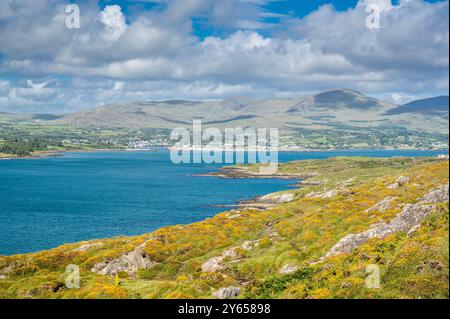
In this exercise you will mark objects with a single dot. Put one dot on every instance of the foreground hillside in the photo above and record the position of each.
(350, 215)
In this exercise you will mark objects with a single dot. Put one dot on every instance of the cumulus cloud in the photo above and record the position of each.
(114, 21)
(157, 55)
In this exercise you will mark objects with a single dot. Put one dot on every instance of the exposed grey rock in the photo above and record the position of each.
(382, 206)
(325, 195)
(402, 180)
(286, 198)
(277, 198)
(227, 293)
(439, 195)
(234, 214)
(2, 277)
(10, 268)
(130, 263)
(376, 225)
(212, 265)
(288, 269)
(249, 244)
(408, 218)
(215, 264)
(273, 234)
(87, 247)
(414, 229)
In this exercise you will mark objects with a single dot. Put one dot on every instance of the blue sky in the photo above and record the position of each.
(284, 8)
(204, 49)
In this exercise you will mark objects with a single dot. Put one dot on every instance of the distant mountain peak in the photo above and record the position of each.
(345, 98)
(341, 91)
(437, 105)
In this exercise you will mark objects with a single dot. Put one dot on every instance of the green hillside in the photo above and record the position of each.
(298, 247)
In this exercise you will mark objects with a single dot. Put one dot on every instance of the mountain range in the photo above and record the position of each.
(327, 110)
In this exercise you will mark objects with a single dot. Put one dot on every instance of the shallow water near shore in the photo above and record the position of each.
(80, 196)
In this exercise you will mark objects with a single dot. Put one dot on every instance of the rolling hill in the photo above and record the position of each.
(434, 106)
(325, 110)
(335, 119)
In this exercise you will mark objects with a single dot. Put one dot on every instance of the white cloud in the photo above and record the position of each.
(114, 20)
(156, 55)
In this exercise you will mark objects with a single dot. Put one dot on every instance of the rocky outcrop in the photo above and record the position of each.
(439, 195)
(212, 265)
(130, 263)
(235, 172)
(227, 293)
(277, 198)
(413, 230)
(407, 219)
(402, 180)
(215, 264)
(382, 206)
(325, 195)
(233, 214)
(267, 201)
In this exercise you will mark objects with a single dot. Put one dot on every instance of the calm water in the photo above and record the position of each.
(79, 196)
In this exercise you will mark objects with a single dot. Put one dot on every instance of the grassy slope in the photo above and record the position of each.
(296, 233)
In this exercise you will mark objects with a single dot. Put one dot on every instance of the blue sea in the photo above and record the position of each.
(80, 196)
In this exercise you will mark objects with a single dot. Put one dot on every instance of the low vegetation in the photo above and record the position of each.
(272, 253)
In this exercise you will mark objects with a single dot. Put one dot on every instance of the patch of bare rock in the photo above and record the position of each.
(277, 198)
(326, 194)
(408, 220)
(267, 201)
(216, 263)
(382, 206)
(401, 181)
(130, 263)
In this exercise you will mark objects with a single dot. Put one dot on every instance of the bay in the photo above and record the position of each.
(80, 196)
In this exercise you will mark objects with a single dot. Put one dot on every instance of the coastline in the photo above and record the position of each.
(262, 202)
(236, 172)
(54, 153)
(244, 238)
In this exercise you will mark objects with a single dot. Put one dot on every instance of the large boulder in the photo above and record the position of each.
(439, 195)
(277, 198)
(130, 263)
(382, 206)
(215, 263)
(324, 195)
(401, 181)
(212, 265)
(406, 220)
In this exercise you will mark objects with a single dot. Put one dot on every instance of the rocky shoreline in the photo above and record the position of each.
(266, 201)
(233, 172)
